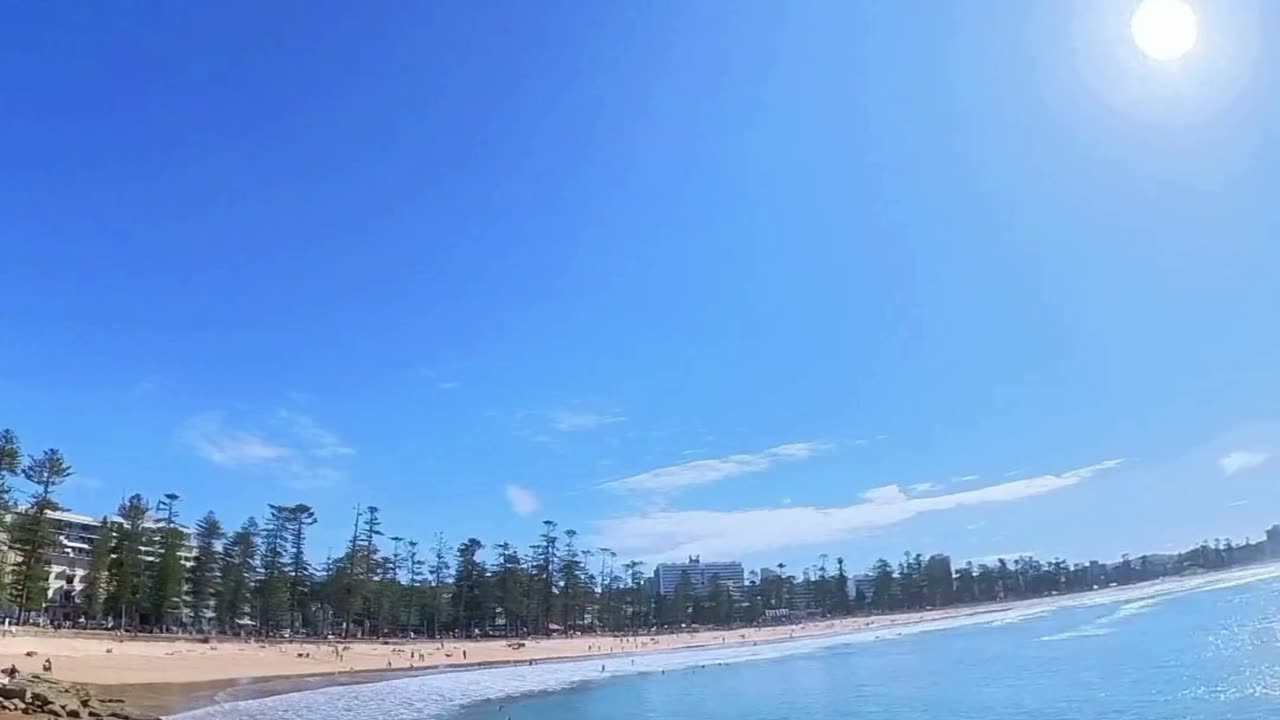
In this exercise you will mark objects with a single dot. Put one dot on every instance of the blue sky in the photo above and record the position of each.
(486, 265)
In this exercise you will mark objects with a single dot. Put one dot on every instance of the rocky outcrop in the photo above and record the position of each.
(40, 695)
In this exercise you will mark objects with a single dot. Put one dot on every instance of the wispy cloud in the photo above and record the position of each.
(1241, 460)
(80, 481)
(287, 444)
(442, 383)
(523, 501)
(924, 487)
(966, 478)
(574, 420)
(316, 440)
(1237, 503)
(212, 440)
(704, 472)
(668, 534)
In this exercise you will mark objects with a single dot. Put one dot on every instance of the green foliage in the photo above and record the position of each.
(572, 583)
(301, 575)
(10, 469)
(236, 574)
(470, 588)
(510, 588)
(273, 587)
(31, 533)
(439, 568)
(128, 565)
(202, 577)
(840, 592)
(166, 585)
(97, 581)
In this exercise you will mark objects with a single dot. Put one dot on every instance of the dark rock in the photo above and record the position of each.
(119, 714)
(54, 710)
(73, 712)
(39, 699)
(31, 653)
(13, 692)
(93, 713)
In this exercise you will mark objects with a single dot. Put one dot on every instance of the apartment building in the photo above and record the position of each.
(69, 561)
(701, 575)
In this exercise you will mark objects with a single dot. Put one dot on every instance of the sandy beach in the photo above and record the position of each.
(163, 674)
(103, 659)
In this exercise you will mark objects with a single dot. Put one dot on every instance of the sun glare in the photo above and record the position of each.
(1164, 29)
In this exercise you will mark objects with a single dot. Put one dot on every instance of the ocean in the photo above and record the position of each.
(1204, 647)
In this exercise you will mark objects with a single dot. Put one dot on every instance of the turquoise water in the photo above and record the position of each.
(1204, 648)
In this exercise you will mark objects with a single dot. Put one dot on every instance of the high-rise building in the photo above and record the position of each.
(864, 583)
(702, 575)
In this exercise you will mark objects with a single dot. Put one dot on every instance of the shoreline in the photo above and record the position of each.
(179, 675)
(173, 697)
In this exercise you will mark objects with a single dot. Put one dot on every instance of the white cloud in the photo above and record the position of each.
(704, 472)
(449, 385)
(208, 436)
(1241, 460)
(522, 500)
(574, 420)
(1237, 503)
(924, 487)
(80, 481)
(966, 478)
(300, 452)
(674, 534)
(316, 440)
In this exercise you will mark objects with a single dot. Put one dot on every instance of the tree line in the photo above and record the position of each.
(144, 569)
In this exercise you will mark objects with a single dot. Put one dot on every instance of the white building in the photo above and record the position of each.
(702, 575)
(69, 562)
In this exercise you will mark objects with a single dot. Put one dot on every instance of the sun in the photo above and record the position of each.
(1164, 29)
